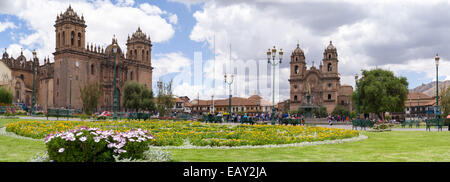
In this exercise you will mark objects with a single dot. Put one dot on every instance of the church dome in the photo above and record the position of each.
(331, 46)
(298, 50)
(109, 50)
(255, 97)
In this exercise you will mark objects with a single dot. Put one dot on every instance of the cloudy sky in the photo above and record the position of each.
(402, 36)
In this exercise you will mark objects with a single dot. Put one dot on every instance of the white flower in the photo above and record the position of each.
(80, 133)
(96, 139)
(61, 150)
(83, 139)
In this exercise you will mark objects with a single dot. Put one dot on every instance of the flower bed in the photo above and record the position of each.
(169, 133)
(94, 145)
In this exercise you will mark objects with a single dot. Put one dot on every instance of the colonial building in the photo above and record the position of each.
(77, 63)
(18, 77)
(317, 86)
(251, 106)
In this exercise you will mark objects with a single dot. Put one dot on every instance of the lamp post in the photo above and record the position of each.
(359, 93)
(272, 54)
(436, 59)
(33, 99)
(115, 99)
(229, 82)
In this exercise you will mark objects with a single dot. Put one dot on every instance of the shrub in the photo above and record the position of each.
(94, 145)
(101, 118)
(21, 113)
(6, 96)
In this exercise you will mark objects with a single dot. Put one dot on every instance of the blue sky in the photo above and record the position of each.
(366, 34)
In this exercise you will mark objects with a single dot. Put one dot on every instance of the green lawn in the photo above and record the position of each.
(19, 150)
(385, 146)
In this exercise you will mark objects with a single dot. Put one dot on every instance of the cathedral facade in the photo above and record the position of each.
(77, 63)
(317, 86)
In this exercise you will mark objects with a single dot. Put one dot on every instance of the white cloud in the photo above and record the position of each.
(367, 34)
(168, 63)
(173, 18)
(151, 9)
(6, 25)
(103, 19)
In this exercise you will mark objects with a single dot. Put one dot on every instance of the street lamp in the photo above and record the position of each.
(272, 54)
(358, 90)
(115, 99)
(229, 82)
(436, 59)
(33, 99)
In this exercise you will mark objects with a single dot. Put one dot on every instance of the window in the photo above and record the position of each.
(329, 85)
(58, 39)
(329, 96)
(330, 68)
(72, 36)
(92, 69)
(131, 55)
(135, 53)
(79, 39)
(131, 75)
(295, 86)
(296, 59)
(143, 55)
(329, 56)
(22, 77)
(295, 98)
(148, 58)
(296, 70)
(64, 38)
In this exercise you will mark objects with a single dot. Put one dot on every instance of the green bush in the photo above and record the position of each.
(101, 118)
(6, 97)
(21, 113)
(93, 145)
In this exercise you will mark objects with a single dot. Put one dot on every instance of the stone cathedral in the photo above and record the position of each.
(317, 86)
(76, 63)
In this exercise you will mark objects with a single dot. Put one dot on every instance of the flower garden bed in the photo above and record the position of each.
(179, 133)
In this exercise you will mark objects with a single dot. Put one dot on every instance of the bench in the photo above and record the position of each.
(58, 113)
(439, 123)
(139, 116)
(362, 124)
(6, 109)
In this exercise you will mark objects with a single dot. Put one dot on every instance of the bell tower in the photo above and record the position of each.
(330, 59)
(70, 31)
(298, 70)
(139, 47)
(298, 64)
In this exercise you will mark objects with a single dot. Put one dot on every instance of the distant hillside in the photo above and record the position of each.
(430, 88)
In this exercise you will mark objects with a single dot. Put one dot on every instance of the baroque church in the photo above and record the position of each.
(77, 63)
(317, 86)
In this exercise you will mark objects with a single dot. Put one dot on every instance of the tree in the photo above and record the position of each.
(147, 102)
(6, 97)
(165, 98)
(444, 101)
(90, 94)
(320, 112)
(341, 111)
(381, 91)
(137, 97)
